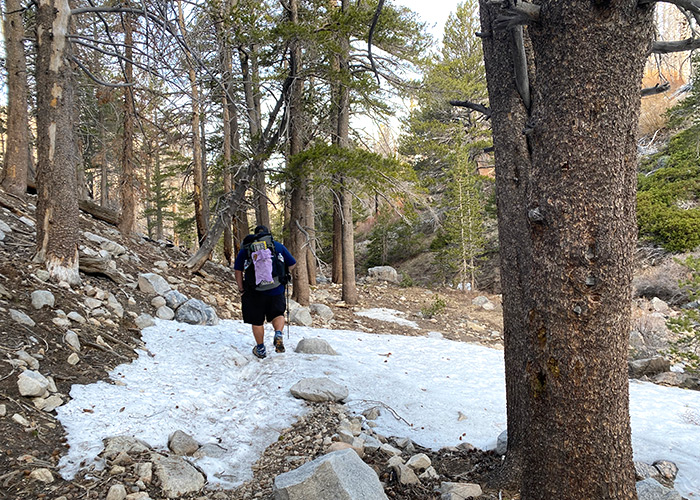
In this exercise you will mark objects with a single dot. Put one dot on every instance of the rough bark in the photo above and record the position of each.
(337, 264)
(127, 181)
(567, 242)
(299, 181)
(57, 205)
(14, 175)
(99, 212)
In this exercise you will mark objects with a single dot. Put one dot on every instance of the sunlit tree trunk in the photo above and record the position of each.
(57, 205)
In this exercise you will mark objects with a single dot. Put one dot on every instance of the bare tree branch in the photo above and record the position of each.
(97, 80)
(656, 89)
(473, 106)
(675, 46)
(521, 14)
(371, 35)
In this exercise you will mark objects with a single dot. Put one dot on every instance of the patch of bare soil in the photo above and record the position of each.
(33, 439)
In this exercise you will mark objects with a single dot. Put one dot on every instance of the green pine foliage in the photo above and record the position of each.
(687, 348)
(393, 238)
(668, 194)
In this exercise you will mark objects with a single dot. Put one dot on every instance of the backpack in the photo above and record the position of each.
(264, 267)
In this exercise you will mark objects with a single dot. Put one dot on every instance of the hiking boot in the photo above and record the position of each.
(278, 342)
(259, 351)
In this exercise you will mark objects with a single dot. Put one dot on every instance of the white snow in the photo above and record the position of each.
(206, 382)
(390, 315)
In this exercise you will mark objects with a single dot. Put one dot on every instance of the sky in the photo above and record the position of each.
(206, 382)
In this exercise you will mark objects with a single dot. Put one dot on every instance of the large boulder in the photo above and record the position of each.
(174, 299)
(651, 489)
(153, 284)
(649, 366)
(340, 475)
(383, 273)
(196, 312)
(322, 311)
(300, 315)
(319, 389)
(315, 346)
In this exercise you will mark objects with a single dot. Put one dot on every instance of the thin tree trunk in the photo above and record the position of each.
(57, 205)
(337, 266)
(201, 215)
(310, 221)
(299, 182)
(14, 175)
(251, 92)
(127, 183)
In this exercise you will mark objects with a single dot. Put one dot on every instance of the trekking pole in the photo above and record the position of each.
(286, 289)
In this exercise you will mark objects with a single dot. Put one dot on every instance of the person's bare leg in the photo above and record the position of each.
(278, 323)
(259, 333)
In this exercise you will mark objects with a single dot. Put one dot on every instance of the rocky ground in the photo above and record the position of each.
(105, 315)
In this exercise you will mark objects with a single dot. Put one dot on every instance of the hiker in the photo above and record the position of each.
(262, 267)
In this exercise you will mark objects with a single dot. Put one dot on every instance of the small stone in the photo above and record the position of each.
(389, 450)
(395, 460)
(141, 495)
(458, 491)
(430, 473)
(3, 410)
(182, 443)
(405, 474)
(92, 303)
(73, 359)
(144, 472)
(41, 298)
(32, 383)
(31, 361)
(61, 322)
(116, 492)
(117, 470)
(21, 318)
(78, 318)
(72, 340)
(42, 275)
(164, 312)
(42, 475)
(419, 462)
(20, 420)
(144, 321)
(158, 301)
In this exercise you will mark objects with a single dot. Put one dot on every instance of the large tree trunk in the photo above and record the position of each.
(569, 263)
(57, 205)
(14, 175)
(127, 183)
(337, 265)
(299, 182)
(201, 205)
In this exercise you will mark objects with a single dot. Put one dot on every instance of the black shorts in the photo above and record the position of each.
(257, 307)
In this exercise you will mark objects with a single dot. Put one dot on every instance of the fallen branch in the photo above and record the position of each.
(393, 412)
(656, 89)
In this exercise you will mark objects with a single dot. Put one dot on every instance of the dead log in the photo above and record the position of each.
(99, 212)
(99, 265)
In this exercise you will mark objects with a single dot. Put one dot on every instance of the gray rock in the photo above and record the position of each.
(196, 312)
(182, 443)
(77, 317)
(389, 450)
(72, 340)
(659, 305)
(502, 443)
(174, 299)
(651, 489)
(4, 227)
(644, 471)
(648, 366)
(3, 410)
(49, 404)
(371, 444)
(21, 318)
(459, 491)
(164, 312)
(32, 384)
(319, 389)
(340, 475)
(153, 283)
(2, 235)
(30, 360)
(322, 311)
(430, 473)
(372, 413)
(383, 273)
(667, 469)
(315, 346)
(144, 321)
(144, 471)
(41, 298)
(484, 303)
(300, 316)
(5, 293)
(105, 244)
(123, 444)
(177, 476)
(92, 303)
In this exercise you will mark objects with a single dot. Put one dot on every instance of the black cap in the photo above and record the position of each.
(261, 229)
